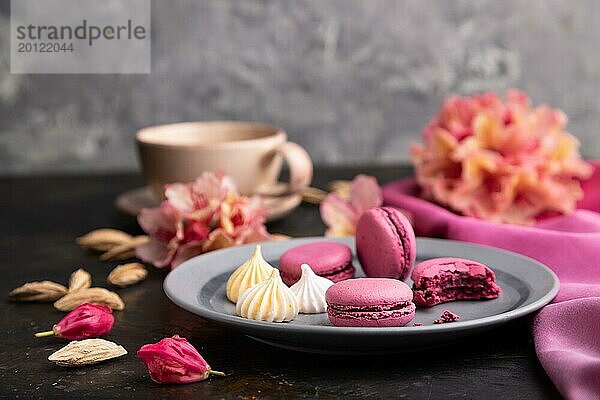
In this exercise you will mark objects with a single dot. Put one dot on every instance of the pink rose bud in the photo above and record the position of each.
(84, 322)
(175, 360)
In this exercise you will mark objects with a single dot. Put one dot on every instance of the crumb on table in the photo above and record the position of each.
(447, 316)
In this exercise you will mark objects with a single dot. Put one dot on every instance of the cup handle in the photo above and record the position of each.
(301, 171)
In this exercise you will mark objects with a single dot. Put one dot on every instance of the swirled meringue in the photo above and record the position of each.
(255, 270)
(270, 301)
(310, 291)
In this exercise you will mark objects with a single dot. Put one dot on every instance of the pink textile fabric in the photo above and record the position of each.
(567, 331)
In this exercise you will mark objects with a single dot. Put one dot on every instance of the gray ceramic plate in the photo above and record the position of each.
(198, 285)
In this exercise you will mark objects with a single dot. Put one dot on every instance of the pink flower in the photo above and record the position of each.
(84, 322)
(501, 161)
(241, 221)
(201, 198)
(175, 360)
(207, 214)
(172, 239)
(341, 215)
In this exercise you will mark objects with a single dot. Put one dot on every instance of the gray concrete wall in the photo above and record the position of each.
(353, 81)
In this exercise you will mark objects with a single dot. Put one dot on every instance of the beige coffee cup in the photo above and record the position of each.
(251, 153)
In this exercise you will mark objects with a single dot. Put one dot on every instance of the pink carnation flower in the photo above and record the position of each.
(502, 161)
(197, 217)
(202, 198)
(241, 221)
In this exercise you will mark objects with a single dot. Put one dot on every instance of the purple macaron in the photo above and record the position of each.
(331, 260)
(370, 302)
(385, 243)
(440, 280)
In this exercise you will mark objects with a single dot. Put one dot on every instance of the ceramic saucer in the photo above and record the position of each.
(132, 201)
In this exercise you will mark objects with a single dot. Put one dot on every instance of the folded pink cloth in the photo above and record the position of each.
(567, 331)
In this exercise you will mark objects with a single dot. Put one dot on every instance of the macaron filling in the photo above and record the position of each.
(329, 259)
(346, 270)
(339, 274)
(370, 308)
(446, 286)
(371, 312)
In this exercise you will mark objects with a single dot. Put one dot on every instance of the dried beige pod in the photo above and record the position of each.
(125, 250)
(85, 352)
(313, 195)
(127, 274)
(80, 279)
(94, 295)
(341, 188)
(103, 239)
(38, 291)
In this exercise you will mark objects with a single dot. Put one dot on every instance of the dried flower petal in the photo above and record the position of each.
(341, 209)
(80, 279)
(127, 274)
(38, 291)
(84, 322)
(125, 250)
(365, 193)
(103, 239)
(86, 352)
(90, 295)
(338, 215)
(175, 360)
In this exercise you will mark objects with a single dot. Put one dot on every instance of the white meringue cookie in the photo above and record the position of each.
(253, 271)
(270, 301)
(310, 291)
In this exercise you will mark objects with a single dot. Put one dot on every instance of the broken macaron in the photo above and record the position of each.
(441, 280)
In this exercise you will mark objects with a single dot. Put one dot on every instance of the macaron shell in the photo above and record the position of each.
(430, 268)
(368, 293)
(331, 260)
(370, 302)
(385, 243)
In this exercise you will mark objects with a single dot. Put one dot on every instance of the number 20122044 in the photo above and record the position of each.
(26, 47)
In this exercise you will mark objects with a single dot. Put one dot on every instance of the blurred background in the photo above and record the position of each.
(352, 81)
